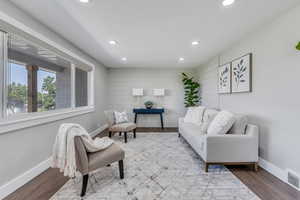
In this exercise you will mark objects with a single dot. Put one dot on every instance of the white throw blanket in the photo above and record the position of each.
(64, 156)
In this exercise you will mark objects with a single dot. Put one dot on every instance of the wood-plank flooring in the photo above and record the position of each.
(265, 185)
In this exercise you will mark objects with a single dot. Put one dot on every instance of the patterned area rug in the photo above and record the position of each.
(159, 166)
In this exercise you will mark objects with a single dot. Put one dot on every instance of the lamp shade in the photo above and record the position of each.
(137, 92)
(159, 92)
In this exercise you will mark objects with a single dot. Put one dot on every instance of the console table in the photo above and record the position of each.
(152, 111)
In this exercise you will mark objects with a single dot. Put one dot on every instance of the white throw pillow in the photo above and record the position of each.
(221, 123)
(120, 117)
(194, 115)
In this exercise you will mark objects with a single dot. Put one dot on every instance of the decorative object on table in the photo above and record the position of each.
(137, 93)
(152, 111)
(241, 74)
(159, 93)
(114, 127)
(120, 117)
(298, 46)
(191, 91)
(224, 78)
(149, 104)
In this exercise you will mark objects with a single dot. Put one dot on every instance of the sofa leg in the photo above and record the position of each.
(125, 136)
(109, 134)
(206, 167)
(120, 133)
(134, 133)
(84, 184)
(255, 166)
(121, 169)
(179, 135)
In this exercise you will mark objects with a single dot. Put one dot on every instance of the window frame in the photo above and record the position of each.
(26, 120)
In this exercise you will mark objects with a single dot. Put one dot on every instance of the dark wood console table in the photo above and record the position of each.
(152, 111)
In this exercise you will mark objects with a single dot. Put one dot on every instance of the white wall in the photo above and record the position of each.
(121, 82)
(274, 104)
(24, 149)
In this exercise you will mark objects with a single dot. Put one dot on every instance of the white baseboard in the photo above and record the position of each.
(276, 171)
(21, 180)
(273, 169)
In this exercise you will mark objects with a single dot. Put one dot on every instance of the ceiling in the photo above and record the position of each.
(154, 33)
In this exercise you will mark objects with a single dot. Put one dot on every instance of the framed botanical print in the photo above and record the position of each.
(224, 82)
(241, 74)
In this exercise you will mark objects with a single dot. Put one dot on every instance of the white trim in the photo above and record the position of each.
(35, 119)
(19, 25)
(21, 180)
(276, 171)
(273, 169)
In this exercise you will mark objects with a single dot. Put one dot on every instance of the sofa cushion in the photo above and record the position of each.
(221, 123)
(194, 115)
(124, 127)
(240, 124)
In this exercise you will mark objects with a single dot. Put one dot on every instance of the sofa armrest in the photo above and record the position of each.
(233, 148)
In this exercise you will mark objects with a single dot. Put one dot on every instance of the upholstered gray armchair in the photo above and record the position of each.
(88, 162)
(121, 128)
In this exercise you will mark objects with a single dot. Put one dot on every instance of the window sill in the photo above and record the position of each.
(36, 119)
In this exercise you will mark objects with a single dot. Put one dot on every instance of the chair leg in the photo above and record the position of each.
(134, 133)
(109, 134)
(121, 169)
(84, 184)
(125, 136)
(206, 167)
(255, 167)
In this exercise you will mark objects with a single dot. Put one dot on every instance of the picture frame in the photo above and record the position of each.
(224, 79)
(241, 74)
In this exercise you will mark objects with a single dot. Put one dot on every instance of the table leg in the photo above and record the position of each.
(162, 121)
(135, 118)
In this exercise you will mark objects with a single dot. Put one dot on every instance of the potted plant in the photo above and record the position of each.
(191, 91)
(298, 46)
(149, 104)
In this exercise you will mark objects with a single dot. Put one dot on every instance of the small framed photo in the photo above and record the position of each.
(224, 81)
(241, 74)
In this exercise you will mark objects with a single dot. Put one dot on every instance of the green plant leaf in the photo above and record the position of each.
(298, 46)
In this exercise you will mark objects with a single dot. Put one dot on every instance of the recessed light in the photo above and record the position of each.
(228, 2)
(195, 43)
(181, 59)
(124, 59)
(113, 42)
(84, 1)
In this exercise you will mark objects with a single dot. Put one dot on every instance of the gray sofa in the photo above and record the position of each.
(230, 149)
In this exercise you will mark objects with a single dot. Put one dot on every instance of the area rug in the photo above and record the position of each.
(159, 166)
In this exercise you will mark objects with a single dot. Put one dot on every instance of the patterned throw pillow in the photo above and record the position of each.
(120, 117)
(221, 123)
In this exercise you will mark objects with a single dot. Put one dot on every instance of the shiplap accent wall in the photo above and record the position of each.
(121, 82)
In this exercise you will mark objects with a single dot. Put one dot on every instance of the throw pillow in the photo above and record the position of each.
(120, 117)
(239, 125)
(208, 117)
(221, 123)
(194, 115)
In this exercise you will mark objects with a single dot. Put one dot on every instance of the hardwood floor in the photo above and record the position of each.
(265, 185)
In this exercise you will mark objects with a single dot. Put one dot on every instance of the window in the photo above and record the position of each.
(36, 79)
(81, 94)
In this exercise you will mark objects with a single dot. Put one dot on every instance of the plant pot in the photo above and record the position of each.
(148, 107)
